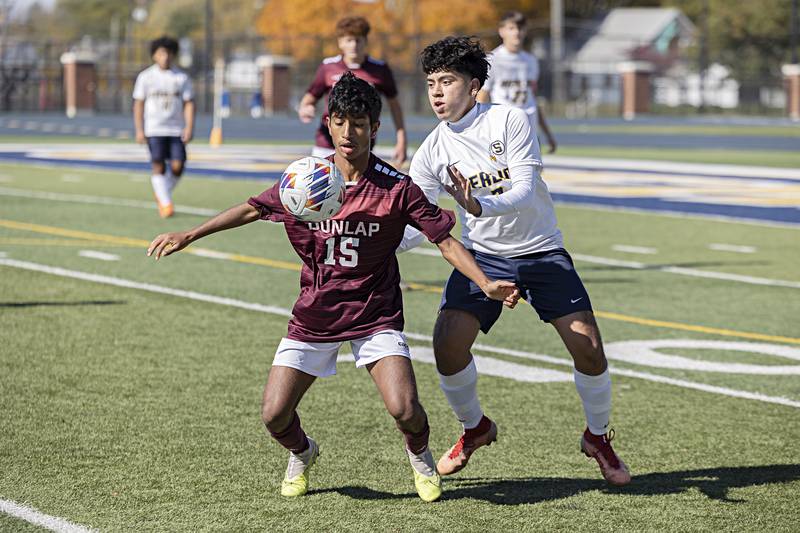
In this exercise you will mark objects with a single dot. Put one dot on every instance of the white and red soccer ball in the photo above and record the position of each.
(312, 189)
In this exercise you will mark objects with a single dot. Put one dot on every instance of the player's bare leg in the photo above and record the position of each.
(161, 188)
(453, 336)
(581, 336)
(394, 377)
(284, 389)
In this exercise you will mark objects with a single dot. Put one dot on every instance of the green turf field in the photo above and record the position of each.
(131, 409)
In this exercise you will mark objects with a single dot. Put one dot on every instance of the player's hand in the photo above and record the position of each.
(461, 191)
(306, 113)
(187, 135)
(552, 142)
(140, 138)
(504, 291)
(168, 243)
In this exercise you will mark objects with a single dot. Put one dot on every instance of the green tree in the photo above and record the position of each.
(751, 38)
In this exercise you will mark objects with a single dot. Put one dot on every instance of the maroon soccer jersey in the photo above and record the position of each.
(376, 72)
(350, 280)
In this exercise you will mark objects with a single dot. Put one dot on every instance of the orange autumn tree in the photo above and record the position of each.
(305, 30)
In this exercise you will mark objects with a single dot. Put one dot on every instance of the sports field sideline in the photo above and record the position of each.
(131, 388)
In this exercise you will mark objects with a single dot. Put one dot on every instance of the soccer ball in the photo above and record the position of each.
(312, 189)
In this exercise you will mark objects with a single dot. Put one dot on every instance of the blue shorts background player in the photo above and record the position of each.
(163, 115)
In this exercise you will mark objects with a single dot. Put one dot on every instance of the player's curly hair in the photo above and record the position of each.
(356, 26)
(166, 42)
(464, 55)
(354, 97)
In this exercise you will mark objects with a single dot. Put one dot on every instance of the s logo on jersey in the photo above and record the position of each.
(497, 147)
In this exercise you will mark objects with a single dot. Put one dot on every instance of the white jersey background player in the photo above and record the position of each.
(487, 157)
(163, 116)
(514, 74)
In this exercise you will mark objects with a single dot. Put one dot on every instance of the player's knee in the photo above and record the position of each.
(274, 417)
(177, 170)
(404, 410)
(592, 358)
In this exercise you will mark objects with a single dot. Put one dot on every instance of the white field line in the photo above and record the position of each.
(118, 282)
(634, 249)
(102, 200)
(721, 247)
(678, 214)
(102, 256)
(34, 517)
(689, 272)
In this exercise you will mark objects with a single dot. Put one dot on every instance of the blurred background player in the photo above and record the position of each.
(350, 287)
(351, 34)
(509, 224)
(514, 74)
(163, 115)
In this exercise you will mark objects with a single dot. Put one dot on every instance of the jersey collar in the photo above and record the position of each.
(465, 121)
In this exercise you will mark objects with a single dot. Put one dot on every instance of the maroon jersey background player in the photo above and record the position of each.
(374, 71)
(350, 281)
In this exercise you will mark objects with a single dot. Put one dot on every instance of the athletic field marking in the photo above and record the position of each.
(30, 515)
(100, 200)
(5, 178)
(676, 214)
(3, 255)
(54, 242)
(425, 251)
(489, 366)
(118, 282)
(634, 249)
(732, 248)
(79, 198)
(286, 265)
(102, 256)
(752, 280)
(71, 178)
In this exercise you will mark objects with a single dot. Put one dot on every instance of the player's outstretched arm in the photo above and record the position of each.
(169, 243)
(462, 260)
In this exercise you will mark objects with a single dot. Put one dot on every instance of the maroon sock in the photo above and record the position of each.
(293, 438)
(482, 427)
(417, 442)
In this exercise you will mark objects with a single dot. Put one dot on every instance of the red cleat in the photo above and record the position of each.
(458, 456)
(611, 466)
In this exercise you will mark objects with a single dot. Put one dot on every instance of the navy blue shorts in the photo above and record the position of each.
(546, 280)
(163, 148)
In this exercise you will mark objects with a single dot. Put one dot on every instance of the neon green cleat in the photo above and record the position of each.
(426, 478)
(295, 483)
(429, 488)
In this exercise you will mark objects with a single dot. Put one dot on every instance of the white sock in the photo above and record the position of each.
(595, 393)
(461, 391)
(161, 188)
(172, 181)
(422, 462)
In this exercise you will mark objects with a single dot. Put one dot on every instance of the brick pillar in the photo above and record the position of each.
(791, 84)
(275, 83)
(636, 97)
(80, 82)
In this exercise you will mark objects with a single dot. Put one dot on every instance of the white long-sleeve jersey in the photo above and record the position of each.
(494, 147)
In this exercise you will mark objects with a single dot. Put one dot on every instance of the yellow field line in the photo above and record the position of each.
(54, 242)
(285, 265)
(691, 327)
